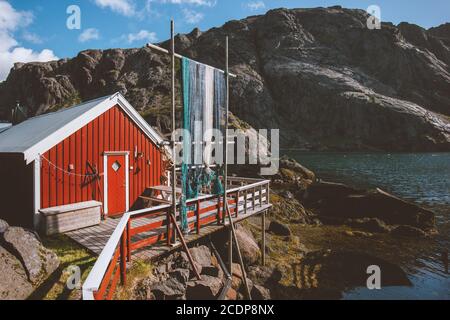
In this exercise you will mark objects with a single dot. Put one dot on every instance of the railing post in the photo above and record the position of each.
(268, 193)
(245, 201)
(261, 196)
(237, 203)
(168, 229)
(129, 240)
(254, 198)
(219, 210)
(263, 244)
(198, 216)
(123, 259)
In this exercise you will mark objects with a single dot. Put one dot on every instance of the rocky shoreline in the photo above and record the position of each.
(312, 249)
(297, 268)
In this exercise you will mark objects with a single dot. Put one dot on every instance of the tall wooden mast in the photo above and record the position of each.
(174, 170)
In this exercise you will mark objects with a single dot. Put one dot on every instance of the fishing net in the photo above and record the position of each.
(203, 102)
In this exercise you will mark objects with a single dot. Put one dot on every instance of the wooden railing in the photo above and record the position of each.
(143, 228)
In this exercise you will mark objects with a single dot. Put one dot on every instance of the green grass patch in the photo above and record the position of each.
(70, 254)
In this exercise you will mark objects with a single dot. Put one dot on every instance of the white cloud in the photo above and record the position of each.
(89, 34)
(207, 3)
(124, 7)
(255, 5)
(32, 37)
(10, 52)
(192, 16)
(143, 35)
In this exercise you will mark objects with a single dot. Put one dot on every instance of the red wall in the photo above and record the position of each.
(112, 131)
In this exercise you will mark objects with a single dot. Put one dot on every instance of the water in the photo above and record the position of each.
(421, 177)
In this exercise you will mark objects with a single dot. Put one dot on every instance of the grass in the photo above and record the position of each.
(138, 271)
(70, 254)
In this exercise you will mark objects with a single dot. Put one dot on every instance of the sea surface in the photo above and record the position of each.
(423, 178)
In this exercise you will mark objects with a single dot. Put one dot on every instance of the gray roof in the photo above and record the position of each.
(23, 136)
(37, 135)
(4, 126)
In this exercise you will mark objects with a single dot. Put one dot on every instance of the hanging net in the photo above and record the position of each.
(203, 102)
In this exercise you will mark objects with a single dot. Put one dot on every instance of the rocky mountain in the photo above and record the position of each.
(320, 75)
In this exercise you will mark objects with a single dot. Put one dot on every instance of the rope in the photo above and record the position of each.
(93, 175)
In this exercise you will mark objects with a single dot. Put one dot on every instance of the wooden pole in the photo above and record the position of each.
(238, 250)
(174, 171)
(186, 248)
(225, 144)
(230, 251)
(263, 245)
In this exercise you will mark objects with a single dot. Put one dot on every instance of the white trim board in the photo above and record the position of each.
(66, 131)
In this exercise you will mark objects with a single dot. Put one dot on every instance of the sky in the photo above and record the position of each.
(43, 30)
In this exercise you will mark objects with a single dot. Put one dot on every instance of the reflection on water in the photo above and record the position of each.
(423, 178)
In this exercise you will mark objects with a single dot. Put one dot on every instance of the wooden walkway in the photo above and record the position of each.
(95, 238)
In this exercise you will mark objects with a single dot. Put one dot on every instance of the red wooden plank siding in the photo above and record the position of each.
(112, 131)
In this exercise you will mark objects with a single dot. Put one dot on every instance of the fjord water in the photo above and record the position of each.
(420, 177)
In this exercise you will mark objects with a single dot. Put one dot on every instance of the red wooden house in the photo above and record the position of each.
(101, 151)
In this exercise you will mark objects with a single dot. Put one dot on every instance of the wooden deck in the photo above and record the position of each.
(95, 238)
(147, 234)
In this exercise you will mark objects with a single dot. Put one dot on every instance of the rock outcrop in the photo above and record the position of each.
(369, 209)
(320, 75)
(24, 262)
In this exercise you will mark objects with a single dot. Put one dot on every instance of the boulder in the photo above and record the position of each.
(408, 231)
(279, 229)
(231, 295)
(39, 262)
(3, 226)
(373, 225)
(14, 284)
(338, 201)
(171, 289)
(213, 271)
(181, 275)
(206, 289)
(201, 255)
(260, 293)
(265, 276)
(249, 247)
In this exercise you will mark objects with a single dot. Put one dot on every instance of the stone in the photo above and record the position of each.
(39, 262)
(213, 271)
(206, 289)
(408, 231)
(260, 293)
(3, 226)
(371, 209)
(279, 229)
(202, 255)
(171, 289)
(181, 275)
(251, 253)
(14, 284)
(265, 275)
(369, 224)
(358, 234)
(231, 295)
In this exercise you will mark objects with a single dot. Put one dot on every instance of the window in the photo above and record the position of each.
(116, 166)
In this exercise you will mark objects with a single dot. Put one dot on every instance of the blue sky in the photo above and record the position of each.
(35, 30)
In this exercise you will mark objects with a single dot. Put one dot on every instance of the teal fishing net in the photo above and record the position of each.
(203, 110)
